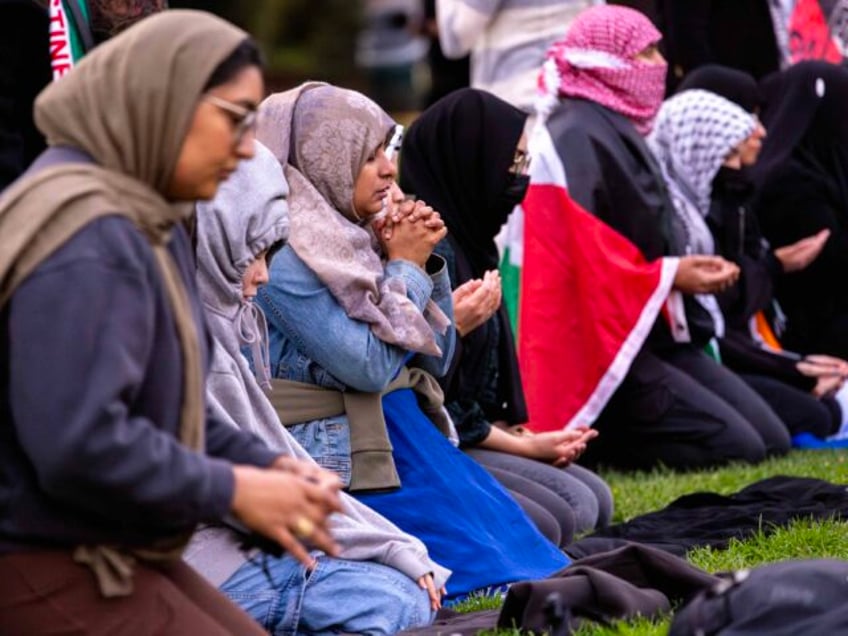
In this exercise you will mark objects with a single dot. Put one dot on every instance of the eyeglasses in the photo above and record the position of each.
(520, 162)
(393, 141)
(244, 118)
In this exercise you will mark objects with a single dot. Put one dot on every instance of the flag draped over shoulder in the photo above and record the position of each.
(588, 299)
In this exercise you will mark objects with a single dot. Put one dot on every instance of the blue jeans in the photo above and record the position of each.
(337, 596)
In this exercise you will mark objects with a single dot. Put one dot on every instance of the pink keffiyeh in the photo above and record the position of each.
(596, 61)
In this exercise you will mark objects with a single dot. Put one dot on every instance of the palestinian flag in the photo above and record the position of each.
(511, 243)
(588, 300)
(818, 30)
(67, 45)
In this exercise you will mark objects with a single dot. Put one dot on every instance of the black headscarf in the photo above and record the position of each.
(738, 86)
(456, 157)
(805, 117)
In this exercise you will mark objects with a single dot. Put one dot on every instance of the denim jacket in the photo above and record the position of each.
(312, 340)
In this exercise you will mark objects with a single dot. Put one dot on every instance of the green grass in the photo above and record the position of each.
(638, 493)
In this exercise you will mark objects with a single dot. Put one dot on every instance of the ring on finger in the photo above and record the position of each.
(303, 527)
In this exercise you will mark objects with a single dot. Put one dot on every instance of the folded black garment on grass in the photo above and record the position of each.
(710, 519)
(629, 581)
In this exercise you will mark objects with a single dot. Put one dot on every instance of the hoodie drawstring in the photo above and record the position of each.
(252, 331)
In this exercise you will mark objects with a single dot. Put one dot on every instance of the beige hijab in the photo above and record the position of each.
(129, 105)
(323, 135)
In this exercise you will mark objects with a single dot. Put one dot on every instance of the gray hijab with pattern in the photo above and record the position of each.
(323, 135)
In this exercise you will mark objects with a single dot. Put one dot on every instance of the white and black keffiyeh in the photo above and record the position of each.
(693, 135)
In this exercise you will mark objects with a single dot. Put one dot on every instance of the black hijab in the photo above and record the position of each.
(805, 117)
(738, 86)
(456, 157)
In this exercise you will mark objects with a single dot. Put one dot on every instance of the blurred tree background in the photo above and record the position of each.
(301, 39)
(374, 46)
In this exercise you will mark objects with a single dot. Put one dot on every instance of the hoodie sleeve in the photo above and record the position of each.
(364, 535)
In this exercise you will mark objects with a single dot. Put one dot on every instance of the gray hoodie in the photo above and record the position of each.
(249, 215)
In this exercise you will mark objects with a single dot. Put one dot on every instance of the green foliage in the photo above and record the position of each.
(636, 627)
(301, 39)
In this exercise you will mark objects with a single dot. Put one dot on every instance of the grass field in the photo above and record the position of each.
(637, 493)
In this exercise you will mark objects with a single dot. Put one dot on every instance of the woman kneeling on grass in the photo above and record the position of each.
(359, 314)
(108, 459)
(467, 156)
(380, 584)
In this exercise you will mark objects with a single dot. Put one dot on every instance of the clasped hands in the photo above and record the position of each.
(830, 373)
(409, 230)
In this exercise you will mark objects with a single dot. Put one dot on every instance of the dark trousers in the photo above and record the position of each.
(682, 409)
(46, 592)
(551, 515)
(799, 410)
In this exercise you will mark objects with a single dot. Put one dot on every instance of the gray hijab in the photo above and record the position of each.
(248, 216)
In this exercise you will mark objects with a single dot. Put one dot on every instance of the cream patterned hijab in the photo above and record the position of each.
(323, 135)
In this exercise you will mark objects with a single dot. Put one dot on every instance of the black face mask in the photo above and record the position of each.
(733, 182)
(515, 191)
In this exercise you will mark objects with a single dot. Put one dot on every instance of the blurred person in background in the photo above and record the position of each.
(749, 35)
(391, 48)
(446, 74)
(507, 40)
(24, 72)
(38, 42)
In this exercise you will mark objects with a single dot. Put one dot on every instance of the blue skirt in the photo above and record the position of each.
(468, 522)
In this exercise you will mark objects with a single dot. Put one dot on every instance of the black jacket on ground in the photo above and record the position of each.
(709, 519)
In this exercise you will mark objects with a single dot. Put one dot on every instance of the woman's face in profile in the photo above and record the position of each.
(373, 184)
(215, 141)
(752, 146)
